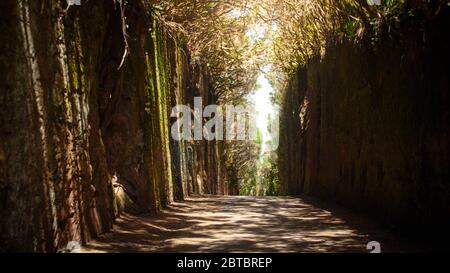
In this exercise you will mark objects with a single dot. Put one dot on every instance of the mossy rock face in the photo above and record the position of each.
(72, 120)
(366, 121)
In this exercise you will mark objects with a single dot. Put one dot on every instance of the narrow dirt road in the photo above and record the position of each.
(248, 224)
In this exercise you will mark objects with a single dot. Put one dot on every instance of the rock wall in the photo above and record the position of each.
(367, 125)
(84, 131)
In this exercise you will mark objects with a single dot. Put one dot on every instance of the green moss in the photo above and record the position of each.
(161, 65)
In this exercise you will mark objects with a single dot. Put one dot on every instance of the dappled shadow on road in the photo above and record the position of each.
(246, 224)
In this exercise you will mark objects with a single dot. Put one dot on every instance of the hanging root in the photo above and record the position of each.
(124, 31)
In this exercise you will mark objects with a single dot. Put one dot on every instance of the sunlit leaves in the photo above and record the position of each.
(216, 32)
(305, 27)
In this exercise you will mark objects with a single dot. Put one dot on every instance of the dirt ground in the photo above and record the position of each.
(248, 224)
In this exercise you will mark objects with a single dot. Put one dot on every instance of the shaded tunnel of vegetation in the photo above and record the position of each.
(361, 92)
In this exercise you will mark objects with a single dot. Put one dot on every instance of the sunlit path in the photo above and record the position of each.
(247, 224)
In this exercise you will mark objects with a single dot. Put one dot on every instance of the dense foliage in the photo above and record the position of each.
(216, 32)
(305, 28)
